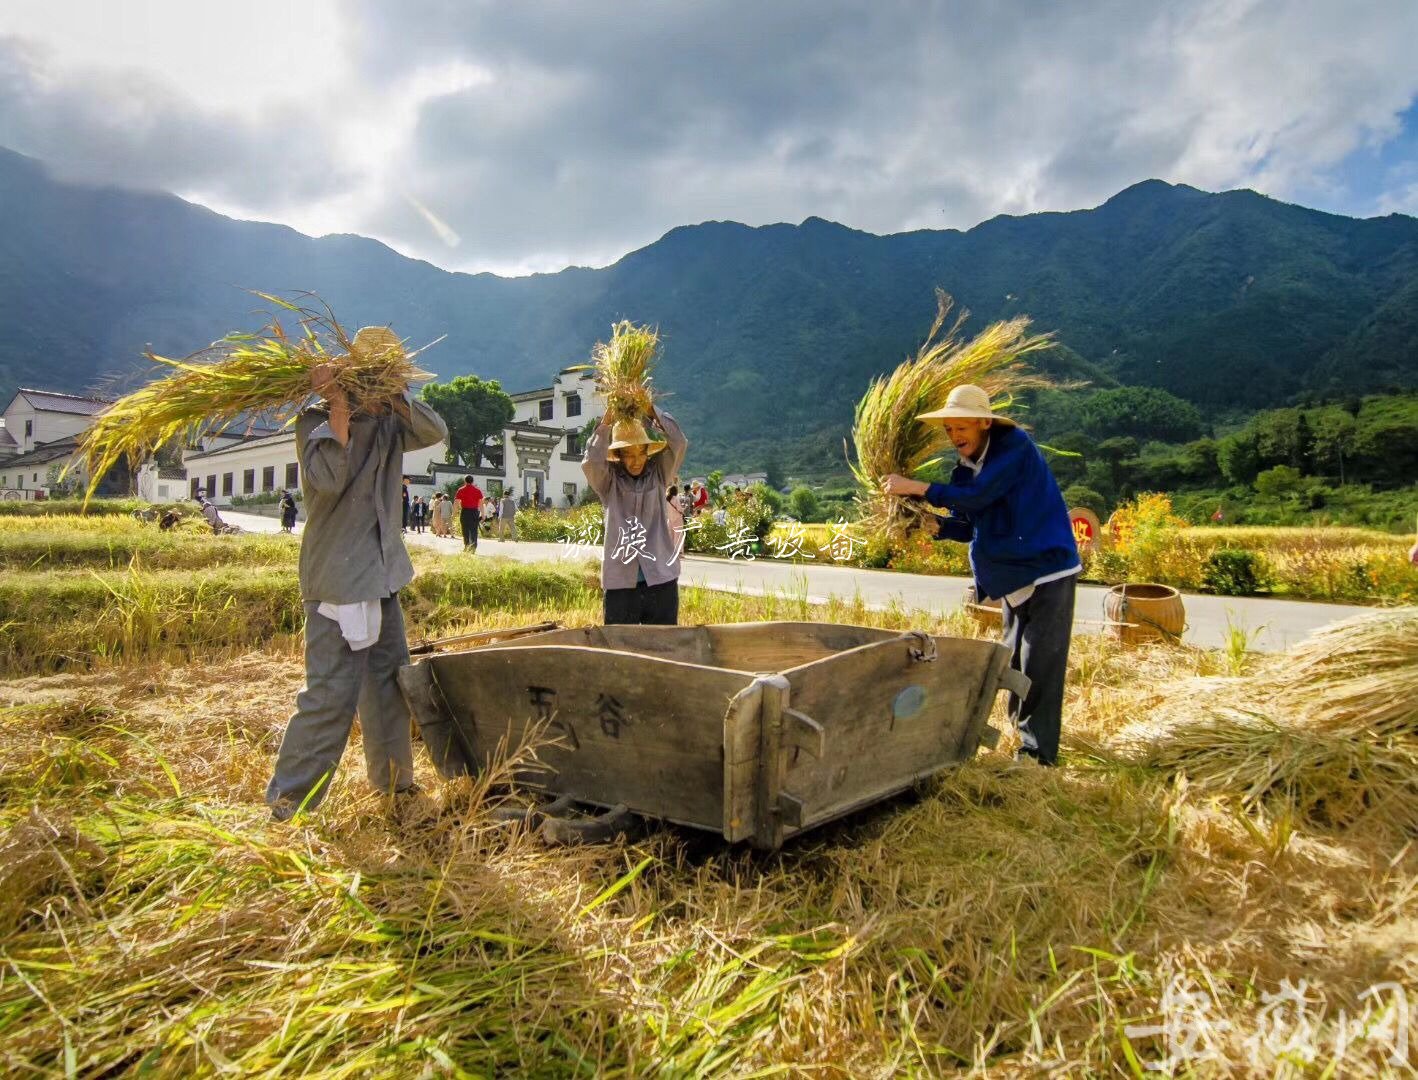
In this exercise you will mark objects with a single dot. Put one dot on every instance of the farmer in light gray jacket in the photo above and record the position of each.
(352, 566)
(631, 472)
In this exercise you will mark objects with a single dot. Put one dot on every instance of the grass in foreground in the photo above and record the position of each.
(1014, 922)
(153, 921)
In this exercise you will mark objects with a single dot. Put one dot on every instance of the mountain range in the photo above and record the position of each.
(1233, 301)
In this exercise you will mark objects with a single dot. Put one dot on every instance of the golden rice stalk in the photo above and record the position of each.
(1330, 727)
(889, 438)
(244, 379)
(622, 366)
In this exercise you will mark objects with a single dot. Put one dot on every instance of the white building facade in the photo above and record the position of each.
(539, 459)
(39, 430)
(540, 456)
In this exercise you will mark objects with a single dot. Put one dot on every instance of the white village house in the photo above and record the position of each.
(38, 434)
(540, 456)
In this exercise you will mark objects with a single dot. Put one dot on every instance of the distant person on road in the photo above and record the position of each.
(1005, 502)
(507, 516)
(470, 501)
(445, 513)
(631, 473)
(288, 511)
(674, 513)
(352, 566)
(419, 510)
(405, 526)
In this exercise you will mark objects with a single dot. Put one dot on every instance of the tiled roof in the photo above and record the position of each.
(244, 444)
(52, 401)
(44, 454)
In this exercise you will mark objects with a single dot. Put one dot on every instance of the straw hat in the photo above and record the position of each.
(632, 433)
(374, 341)
(966, 402)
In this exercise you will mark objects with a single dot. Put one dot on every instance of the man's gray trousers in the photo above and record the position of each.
(339, 680)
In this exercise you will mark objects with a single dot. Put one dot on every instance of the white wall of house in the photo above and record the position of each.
(542, 451)
(270, 464)
(28, 425)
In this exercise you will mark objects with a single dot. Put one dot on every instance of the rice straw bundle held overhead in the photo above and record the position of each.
(889, 438)
(622, 366)
(246, 378)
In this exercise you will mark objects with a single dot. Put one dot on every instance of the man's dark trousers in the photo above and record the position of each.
(1038, 634)
(470, 519)
(644, 605)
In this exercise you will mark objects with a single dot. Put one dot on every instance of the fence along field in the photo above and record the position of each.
(1149, 900)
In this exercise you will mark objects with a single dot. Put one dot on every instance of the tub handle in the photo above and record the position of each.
(923, 651)
(1015, 681)
(802, 732)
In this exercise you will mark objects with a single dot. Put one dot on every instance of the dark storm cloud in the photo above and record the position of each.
(126, 127)
(549, 131)
(601, 127)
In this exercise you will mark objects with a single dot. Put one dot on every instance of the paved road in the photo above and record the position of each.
(1273, 624)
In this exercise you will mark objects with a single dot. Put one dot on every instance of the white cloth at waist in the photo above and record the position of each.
(1018, 597)
(360, 622)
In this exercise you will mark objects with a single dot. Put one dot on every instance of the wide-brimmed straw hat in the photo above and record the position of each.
(966, 402)
(375, 341)
(628, 433)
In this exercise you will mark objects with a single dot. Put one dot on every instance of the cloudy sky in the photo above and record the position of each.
(532, 134)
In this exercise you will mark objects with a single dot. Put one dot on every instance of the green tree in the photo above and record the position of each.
(771, 497)
(1115, 452)
(803, 503)
(1279, 481)
(1070, 461)
(715, 478)
(1081, 495)
(1333, 434)
(1143, 412)
(774, 469)
(1199, 461)
(475, 411)
(1239, 456)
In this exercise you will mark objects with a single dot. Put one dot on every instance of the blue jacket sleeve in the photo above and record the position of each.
(956, 527)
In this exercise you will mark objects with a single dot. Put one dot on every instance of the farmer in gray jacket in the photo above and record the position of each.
(631, 473)
(352, 566)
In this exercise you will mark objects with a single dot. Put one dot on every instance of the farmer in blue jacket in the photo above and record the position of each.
(1005, 502)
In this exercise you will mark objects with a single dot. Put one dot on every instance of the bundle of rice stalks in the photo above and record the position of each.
(889, 438)
(622, 366)
(246, 379)
(1330, 727)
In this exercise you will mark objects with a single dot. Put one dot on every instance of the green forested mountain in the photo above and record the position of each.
(1231, 301)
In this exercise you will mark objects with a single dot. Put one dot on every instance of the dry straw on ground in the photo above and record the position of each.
(245, 379)
(1002, 922)
(889, 438)
(1330, 729)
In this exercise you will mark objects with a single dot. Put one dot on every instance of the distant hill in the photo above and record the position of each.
(1229, 300)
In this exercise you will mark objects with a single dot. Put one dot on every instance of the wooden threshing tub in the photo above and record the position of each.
(756, 731)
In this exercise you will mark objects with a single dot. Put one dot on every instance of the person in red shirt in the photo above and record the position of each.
(470, 503)
(701, 499)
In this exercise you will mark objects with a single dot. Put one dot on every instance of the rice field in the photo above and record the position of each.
(1221, 880)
